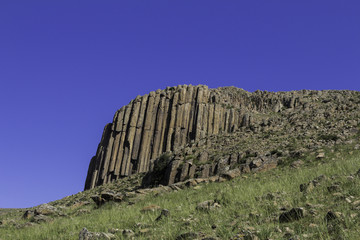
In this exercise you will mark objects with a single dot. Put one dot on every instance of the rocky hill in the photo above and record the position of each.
(187, 132)
(190, 163)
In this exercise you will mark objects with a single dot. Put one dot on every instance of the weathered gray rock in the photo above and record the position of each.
(86, 235)
(111, 196)
(334, 222)
(98, 200)
(41, 218)
(28, 214)
(164, 214)
(9, 222)
(297, 164)
(205, 171)
(106, 196)
(333, 216)
(203, 158)
(46, 209)
(231, 174)
(128, 233)
(256, 163)
(306, 187)
(334, 188)
(208, 205)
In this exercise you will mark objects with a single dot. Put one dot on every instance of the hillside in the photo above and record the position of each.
(246, 207)
(190, 162)
(192, 131)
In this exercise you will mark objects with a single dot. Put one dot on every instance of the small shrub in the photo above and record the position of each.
(328, 137)
(160, 166)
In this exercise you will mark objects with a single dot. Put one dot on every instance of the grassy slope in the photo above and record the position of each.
(246, 206)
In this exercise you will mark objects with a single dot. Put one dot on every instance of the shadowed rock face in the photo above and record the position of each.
(168, 120)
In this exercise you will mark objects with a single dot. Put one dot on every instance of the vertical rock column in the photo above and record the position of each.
(126, 165)
(139, 133)
(158, 127)
(117, 128)
(191, 101)
(179, 117)
(171, 127)
(146, 135)
(122, 126)
(164, 121)
(97, 162)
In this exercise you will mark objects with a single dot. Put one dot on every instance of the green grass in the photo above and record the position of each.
(248, 203)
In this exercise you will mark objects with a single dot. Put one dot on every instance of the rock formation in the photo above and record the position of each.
(176, 119)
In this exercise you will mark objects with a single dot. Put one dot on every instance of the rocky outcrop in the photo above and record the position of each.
(170, 120)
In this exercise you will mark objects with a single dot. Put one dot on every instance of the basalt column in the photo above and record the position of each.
(166, 120)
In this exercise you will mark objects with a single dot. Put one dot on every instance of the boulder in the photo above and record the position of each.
(164, 213)
(86, 235)
(208, 205)
(334, 188)
(244, 168)
(28, 214)
(306, 187)
(41, 218)
(292, 215)
(46, 209)
(128, 233)
(111, 196)
(320, 155)
(231, 174)
(98, 200)
(332, 216)
(106, 196)
(255, 163)
(297, 164)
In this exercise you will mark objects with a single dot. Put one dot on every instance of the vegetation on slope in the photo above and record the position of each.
(247, 207)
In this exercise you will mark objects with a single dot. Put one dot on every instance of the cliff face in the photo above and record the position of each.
(171, 119)
(161, 122)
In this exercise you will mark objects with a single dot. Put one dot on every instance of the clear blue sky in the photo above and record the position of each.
(67, 66)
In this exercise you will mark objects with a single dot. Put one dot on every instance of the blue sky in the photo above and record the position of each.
(67, 66)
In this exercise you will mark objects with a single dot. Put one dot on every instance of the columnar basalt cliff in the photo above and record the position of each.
(175, 119)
